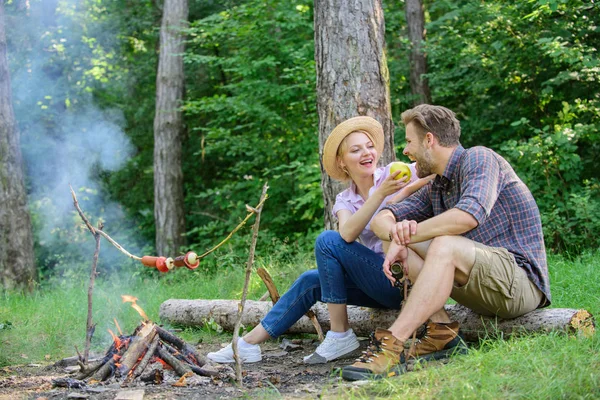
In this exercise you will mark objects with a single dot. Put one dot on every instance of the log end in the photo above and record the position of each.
(583, 324)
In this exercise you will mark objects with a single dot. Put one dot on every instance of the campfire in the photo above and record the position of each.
(151, 355)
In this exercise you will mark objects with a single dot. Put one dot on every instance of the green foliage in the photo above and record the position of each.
(523, 79)
(252, 119)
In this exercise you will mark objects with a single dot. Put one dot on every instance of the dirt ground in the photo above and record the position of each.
(282, 373)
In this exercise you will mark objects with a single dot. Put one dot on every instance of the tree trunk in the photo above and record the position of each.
(17, 264)
(168, 126)
(418, 62)
(352, 75)
(364, 320)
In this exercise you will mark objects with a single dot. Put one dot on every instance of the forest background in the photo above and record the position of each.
(523, 79)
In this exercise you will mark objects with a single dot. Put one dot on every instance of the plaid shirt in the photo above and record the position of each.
(483, 184)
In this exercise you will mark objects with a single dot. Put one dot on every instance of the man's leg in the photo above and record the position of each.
(449, 259)
(416, 255)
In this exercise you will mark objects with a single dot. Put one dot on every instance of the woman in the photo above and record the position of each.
(347, 272)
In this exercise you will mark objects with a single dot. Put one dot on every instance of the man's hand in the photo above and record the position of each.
(401, 232)
(396, 252)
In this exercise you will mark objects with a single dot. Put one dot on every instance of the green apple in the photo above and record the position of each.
(403, 168)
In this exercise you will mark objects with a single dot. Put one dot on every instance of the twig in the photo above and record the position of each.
(257, 211)
(91, 327)
(81, 214)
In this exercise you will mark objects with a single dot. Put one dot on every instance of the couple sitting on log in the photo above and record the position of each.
(468, 228)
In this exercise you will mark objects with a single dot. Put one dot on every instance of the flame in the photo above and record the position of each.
(118, 342)
(118, 327)
(130, 299)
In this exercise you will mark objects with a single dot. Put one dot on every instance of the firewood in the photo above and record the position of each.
(104, 371)
(89, 369)
(203, 371)
(138, 345)
(138, 369)
(365, 320)
(179, 367)
(188, 351)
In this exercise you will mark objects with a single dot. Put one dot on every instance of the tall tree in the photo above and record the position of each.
(352, 75)
(168, 127)
(415, 21)
(17, 267)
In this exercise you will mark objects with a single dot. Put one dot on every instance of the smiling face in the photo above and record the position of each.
(416, 150)
(357, 155)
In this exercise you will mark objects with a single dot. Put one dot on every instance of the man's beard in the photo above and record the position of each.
(424, 165)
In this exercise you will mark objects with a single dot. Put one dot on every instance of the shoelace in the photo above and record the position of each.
(374, 347)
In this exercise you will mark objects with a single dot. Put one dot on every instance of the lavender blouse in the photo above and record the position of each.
(350, 200)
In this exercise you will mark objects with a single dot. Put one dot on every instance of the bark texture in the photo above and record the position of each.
(168, 128)
(352, 76)
(364, 320)
(415, 20)
(17, 265)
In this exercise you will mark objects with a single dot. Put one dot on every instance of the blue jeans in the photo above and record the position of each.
(347, 273)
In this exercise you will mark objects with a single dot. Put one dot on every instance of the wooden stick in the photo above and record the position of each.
(257, 211)
(89, 327)
(268, 281)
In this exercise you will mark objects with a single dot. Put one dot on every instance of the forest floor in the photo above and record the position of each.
(281, 374)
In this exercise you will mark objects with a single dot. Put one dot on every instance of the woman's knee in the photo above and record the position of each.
(309, 279)
(327, 237)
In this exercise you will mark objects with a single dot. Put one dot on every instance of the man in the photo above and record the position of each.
(473, 234)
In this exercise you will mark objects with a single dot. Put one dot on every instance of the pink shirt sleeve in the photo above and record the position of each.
(342, 202)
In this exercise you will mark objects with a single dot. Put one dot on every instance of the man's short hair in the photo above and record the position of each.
(438, 120)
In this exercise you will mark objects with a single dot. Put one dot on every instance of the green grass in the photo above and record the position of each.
(46, 325)
(552, 366)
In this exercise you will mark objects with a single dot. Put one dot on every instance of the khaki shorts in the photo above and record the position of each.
(497, 286)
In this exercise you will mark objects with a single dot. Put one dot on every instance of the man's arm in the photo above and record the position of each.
(451, 222)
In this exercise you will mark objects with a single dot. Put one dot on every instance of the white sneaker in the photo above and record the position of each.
(225, 355)
(333, 348)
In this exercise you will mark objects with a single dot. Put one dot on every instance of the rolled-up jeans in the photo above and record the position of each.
(347, 273)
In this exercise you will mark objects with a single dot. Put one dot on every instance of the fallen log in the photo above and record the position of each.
(364, 320)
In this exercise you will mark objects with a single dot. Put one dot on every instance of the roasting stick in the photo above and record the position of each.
(119, 247)
(251, 211)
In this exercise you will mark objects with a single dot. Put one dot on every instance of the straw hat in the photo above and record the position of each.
(367, 124)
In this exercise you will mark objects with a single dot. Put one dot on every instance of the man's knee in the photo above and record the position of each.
(443, 246)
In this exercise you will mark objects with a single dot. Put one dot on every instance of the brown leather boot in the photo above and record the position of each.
(440, 341)
(383, 358)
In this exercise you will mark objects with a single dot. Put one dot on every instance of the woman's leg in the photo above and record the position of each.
(294, 303)
(351, 273)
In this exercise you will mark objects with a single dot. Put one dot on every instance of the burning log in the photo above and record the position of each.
(139, 368)
(188, 351)
(170, 359)
(138, 345)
